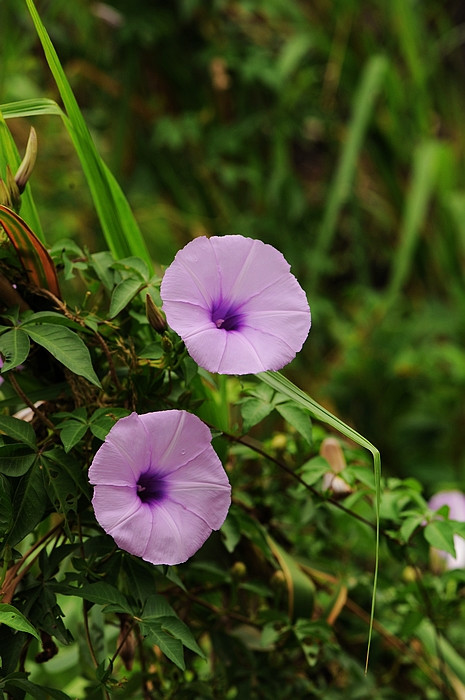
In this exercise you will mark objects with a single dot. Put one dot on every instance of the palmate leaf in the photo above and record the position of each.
(32, 254)
(119, 226)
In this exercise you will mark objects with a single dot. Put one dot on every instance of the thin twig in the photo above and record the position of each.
(37, 412)
(16, 572)
(248, 442)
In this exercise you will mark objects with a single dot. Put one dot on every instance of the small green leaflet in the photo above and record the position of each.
(14, 346)
(10, 616)
(440, 534)
(19, 430)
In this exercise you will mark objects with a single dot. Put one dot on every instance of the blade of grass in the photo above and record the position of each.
(339, 190)
(9, 155)
(425, 168)
(119, 226)
(278, 382)
(35, 107)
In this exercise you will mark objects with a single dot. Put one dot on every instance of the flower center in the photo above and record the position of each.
(150, 488)
(227, 317)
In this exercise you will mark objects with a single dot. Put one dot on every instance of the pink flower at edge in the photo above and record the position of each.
(236, 305)
(456, 502)
(159, 486)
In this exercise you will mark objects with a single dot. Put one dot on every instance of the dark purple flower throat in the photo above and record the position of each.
(227, 316)
(150, 488)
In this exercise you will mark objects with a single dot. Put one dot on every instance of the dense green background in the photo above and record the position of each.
(332, 130)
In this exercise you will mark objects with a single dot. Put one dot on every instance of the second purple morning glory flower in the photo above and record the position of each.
(159, 486)
(236, 305)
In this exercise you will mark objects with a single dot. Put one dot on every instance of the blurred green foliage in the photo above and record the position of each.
(333, 130)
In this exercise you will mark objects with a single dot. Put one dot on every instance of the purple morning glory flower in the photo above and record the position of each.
(456, 502)
(160, 488)
(236, 305)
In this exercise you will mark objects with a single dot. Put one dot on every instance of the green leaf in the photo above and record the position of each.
(19, 430)
(409, 526)
(45, 613)
(6, 507)
(181, 631)
(122, 295)
(16, 459)
(33, 690)
(102, 263)
(120, 228)
(314, 469)
(30, 108)
(101, 593)
(103, 419)
(301, 590)
(253, 411)
(171, 647)
(134, 264)
(298, 418)
(155, 607)
(61, 486)
(66, 346)
(14, 346)
(231, 532)
(71, 432)
(440, 534)
(10, 616)
(67, 474)
(29, 503)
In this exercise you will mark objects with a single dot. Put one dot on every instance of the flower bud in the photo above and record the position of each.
(238, 570)
(11, 190)
(154, 315)
(27, 165)
(331, 450)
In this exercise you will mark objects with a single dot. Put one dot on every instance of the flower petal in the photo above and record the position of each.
(122, 515)
(246, 265)
(176, 437)
(124, 455)
(175, 534)
(454, 499)
(202, 487)
(193, 276)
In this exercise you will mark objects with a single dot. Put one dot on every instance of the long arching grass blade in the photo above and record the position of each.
(120, 229)
(278, 382)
